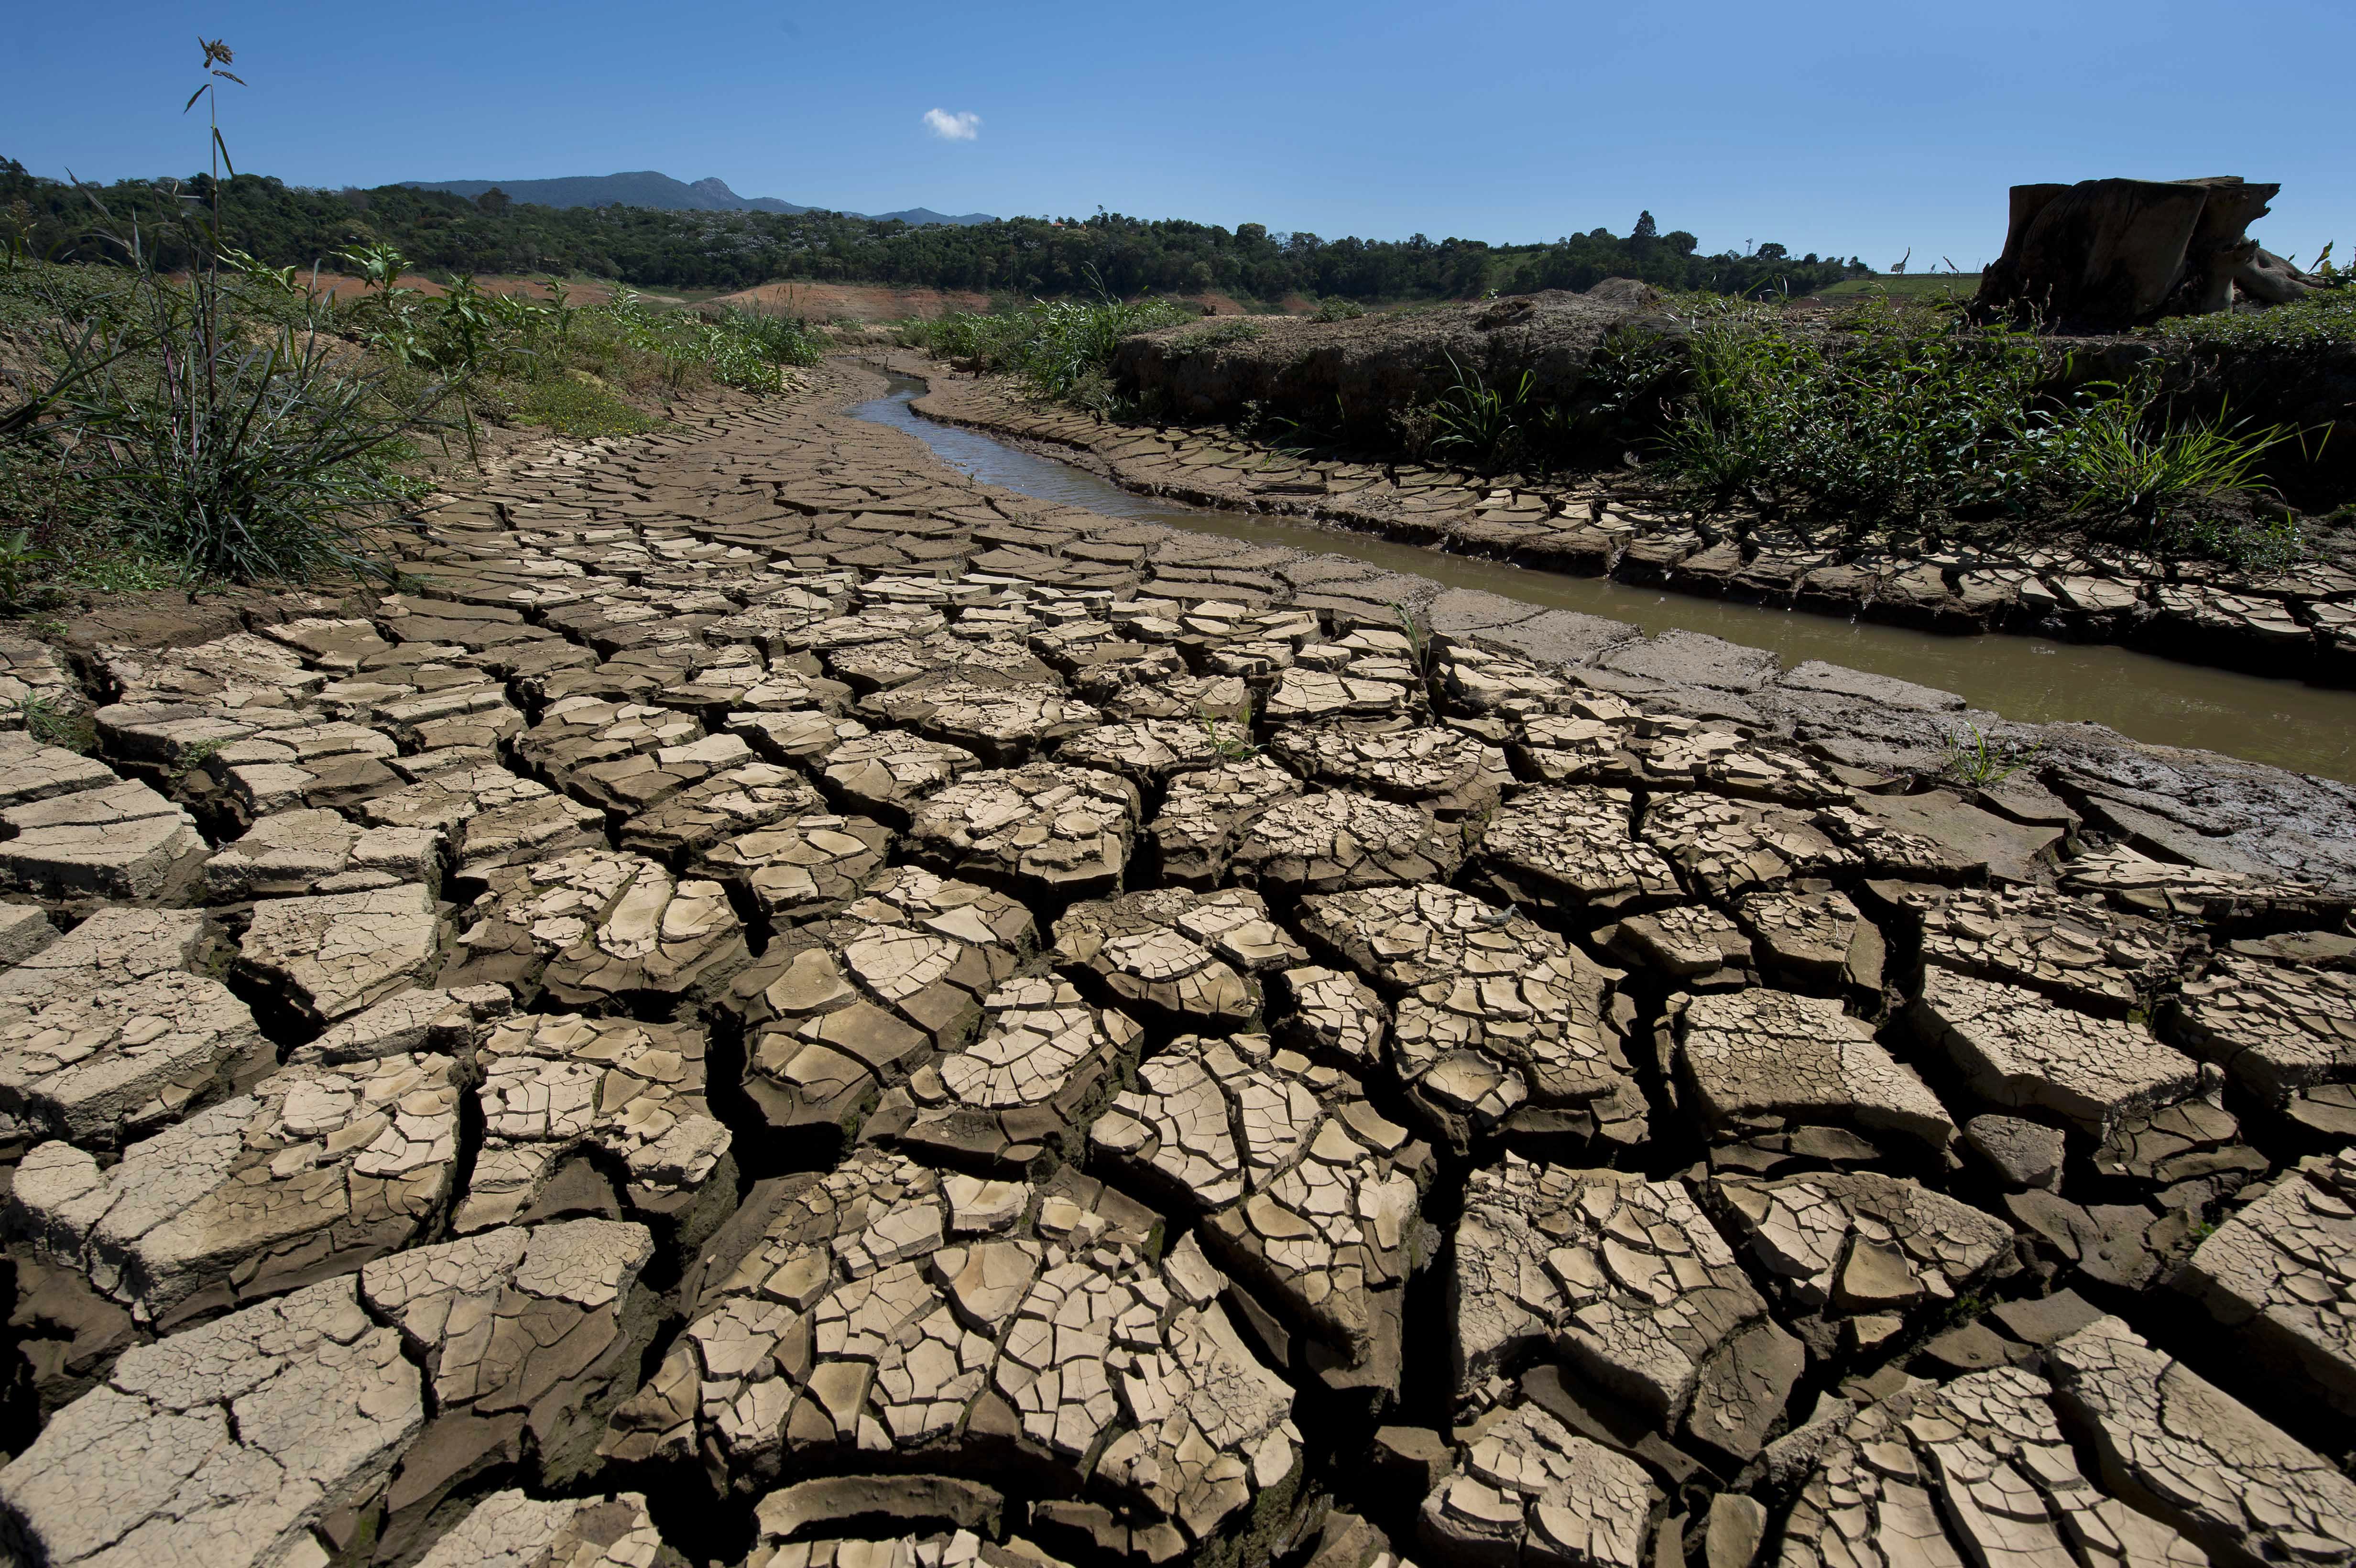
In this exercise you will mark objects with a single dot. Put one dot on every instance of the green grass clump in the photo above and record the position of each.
(1061, 349)
(578, 405)
(1218, 334)
(1479, 425)
(52, 723)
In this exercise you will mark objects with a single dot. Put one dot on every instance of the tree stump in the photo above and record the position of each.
(2111, 253)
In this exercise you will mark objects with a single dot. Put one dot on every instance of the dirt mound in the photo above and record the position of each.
(1357, 372)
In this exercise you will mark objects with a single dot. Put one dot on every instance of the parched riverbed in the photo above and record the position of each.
(2284, 722)
(786, 1007)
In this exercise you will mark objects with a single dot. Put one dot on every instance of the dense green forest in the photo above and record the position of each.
(290, 226)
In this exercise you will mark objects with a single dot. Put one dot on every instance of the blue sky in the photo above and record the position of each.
(1842, 128)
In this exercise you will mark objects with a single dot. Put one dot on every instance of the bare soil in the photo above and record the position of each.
(857, 302)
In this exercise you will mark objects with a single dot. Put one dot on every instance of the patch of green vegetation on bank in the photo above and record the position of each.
(225, 422)
(2319, 321)
(1060, 349)
(230, 425)
(1912, 416)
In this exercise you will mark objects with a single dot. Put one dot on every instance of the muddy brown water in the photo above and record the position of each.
(2285, 723)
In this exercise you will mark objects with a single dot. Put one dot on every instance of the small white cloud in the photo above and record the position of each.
(961, 126)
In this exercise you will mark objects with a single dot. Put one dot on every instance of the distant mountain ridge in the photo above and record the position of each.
(645, 188)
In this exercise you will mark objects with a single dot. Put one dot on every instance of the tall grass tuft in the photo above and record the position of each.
(2117, 453)
(245, 459)
(1477, 423)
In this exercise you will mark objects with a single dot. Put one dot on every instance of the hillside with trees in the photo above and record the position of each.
(292, 226)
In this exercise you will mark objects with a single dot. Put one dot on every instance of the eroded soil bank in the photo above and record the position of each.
(786, 1007)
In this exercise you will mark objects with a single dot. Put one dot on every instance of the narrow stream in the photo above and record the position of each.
(2286, 722)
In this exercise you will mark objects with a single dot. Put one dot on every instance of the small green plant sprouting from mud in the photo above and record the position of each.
(1974, 760)
(195, 757)
(1477, 424)
(1418, 640)
(52, 723)
(1229, 745)
(21, 563)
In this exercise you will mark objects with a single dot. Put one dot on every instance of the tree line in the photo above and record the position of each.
(650, 248)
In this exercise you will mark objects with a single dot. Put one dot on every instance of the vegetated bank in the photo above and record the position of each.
(228, 422)
(2185, 487)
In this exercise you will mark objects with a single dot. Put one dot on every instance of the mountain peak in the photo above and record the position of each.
(648, 187)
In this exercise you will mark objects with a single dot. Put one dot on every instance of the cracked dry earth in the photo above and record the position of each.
(786, 1009)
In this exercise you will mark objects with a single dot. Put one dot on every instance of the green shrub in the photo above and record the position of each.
(750, 350)
(232, 443)
(1335, 308)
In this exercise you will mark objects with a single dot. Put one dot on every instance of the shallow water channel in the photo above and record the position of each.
(2286, 722)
